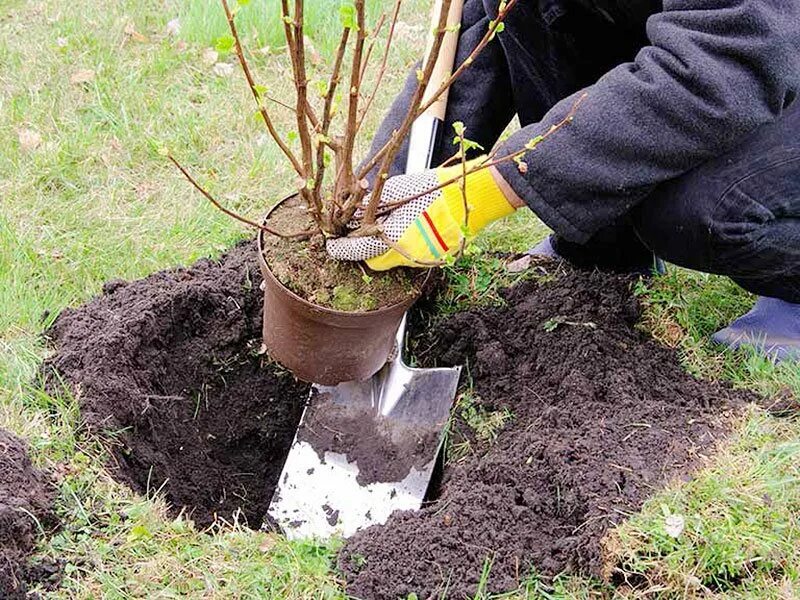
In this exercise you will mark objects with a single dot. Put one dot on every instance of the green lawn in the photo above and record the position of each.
(89, 94)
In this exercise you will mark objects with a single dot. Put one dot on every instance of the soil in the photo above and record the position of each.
(385, 449)
(26, 496)
(168, 369)
(304, 267)
(602, 416)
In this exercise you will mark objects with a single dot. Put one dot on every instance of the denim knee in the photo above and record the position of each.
(743, 224)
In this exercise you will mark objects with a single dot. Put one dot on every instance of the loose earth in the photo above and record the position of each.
(601, 416)
(26, 496)
(168, 368)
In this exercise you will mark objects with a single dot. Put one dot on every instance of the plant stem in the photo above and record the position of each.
(251, 83)
(327, 115)
(490, 161)
(238, 217)
(421, 108)
(382, 68)
(310, 196)
(393, 147)
(346, 185)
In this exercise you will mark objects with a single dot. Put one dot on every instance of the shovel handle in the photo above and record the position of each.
(447, 56)
(428, 127)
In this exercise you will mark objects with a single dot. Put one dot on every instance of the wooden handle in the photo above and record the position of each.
(447, 56)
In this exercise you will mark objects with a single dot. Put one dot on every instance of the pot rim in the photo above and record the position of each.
(324, 309)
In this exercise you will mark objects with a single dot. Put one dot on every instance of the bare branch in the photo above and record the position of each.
(488, 37)
(401, 133)
(490, 161)
(345, 179)
(288, 24)
(421, 263)
(238, 217)
(421, 108)
(253, 88)
(312, 200)
(382, 68)
(376, 31)
(327, 116)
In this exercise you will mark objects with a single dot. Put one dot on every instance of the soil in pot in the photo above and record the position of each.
(305, 268)
(590, 417)
(168, 369)
(26, 496)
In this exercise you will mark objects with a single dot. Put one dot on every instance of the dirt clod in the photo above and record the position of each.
(26, 508)
(385, 449)
(601, 417)
(168, 367)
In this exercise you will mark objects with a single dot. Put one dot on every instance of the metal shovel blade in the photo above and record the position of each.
(364, 450)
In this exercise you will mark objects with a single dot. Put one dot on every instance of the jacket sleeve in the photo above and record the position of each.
(481, 98)
(714, 71)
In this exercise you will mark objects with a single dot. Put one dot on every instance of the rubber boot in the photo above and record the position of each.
(546, 248)
(772, 327)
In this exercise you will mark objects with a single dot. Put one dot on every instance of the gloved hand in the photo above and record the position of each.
(431, 227)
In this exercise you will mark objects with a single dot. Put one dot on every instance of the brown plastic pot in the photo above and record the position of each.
(322, 345)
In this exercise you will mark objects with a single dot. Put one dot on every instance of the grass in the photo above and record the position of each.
(94, 200)
(261, 23)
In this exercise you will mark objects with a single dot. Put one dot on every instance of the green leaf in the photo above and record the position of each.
(224, 44)
(260, 90)
(348, 15)
(139, 532)
(470, 145)
(534, 142)
(292, 136)
(552, 324)
(243, 2)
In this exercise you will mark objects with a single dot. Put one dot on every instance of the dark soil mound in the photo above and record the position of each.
(26, 496)
(602, 416)
(170, 366)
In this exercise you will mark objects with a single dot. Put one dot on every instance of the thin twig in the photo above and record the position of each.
(376, 31)
(382, 68)
(290, 46)
(250, 82)
(462, 184)
(310, 196)
(238, 217)
(488, 163)
(422, 107)
(327, 111)
(488, 37)
(400, 134)
(346, 184)
(422, 263)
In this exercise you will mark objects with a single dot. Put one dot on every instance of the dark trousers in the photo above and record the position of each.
(737, 215)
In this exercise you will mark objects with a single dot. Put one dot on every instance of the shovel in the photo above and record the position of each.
(366, 449)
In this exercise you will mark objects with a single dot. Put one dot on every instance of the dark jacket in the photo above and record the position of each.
(714, 71)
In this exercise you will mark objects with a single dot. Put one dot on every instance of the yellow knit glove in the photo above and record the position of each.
(431, 227)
